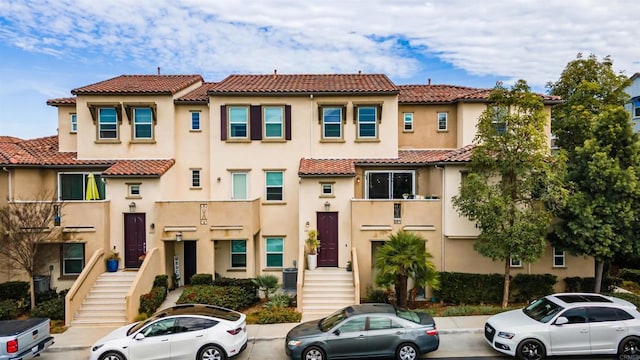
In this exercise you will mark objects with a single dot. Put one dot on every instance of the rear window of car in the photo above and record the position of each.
(601, 314)
(408, 315)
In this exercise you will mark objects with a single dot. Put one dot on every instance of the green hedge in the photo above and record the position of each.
(632, 298)
(151, 301)
(247, 284)
(52, 309)
(630, 275)
(579, 284)
(232, 297)
(8, 310)
(161, 281)
(277, 315)
(16, 290)
(527, 287)
(201, 279)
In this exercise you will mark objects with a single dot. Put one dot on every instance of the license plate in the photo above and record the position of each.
(34, 349)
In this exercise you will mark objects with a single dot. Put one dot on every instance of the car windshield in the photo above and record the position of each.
(330, 321)
(542, 310)
(139, 325)
(408, 315)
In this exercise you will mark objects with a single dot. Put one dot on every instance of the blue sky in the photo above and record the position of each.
(48, 47)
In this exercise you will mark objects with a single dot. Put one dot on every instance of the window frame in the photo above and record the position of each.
(232, 253)
(340, 123)
(74, 123)
(267, 186)
(407, 121)
(390, 189)
(134, 190)
(367, 122)
(557, 256)
(138, 121)
(266, 122)
(84, 174)
(323, 187)
(498, 119)
(64, 259)
(267, 252)
(195, 124)
(441, 121)
(233, 184)
(196, 178)
(101, 123)
(231, 122)
(515, 261)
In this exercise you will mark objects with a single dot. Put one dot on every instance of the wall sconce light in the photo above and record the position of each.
(132, 207)
(218, 179)
(179, 236)
(152, 226)
(306, 225)
(358, 179)
(327, 205)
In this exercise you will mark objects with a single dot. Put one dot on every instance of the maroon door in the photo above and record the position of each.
(135, 241)
(328, 236)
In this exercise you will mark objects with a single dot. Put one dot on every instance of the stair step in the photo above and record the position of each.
(92, 323)
(105, 304)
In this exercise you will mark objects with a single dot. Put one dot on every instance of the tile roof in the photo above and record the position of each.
(44, 152)
(61, 101)
(450, 93)
(140, 84)
(305, 84)
(198, 95)
(347, 167)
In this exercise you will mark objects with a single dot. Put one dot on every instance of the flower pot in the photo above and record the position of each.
(312, 261)
(112, 265)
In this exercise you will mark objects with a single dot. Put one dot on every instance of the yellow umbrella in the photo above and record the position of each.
(92, 188)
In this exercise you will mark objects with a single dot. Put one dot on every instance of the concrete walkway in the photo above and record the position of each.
(81, 338)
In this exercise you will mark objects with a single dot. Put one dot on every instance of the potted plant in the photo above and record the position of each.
(112, 260)
(312, 247)
(349, 266)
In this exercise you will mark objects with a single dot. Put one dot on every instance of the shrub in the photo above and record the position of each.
(161, 281)
(52, 309)
(377, 296)
(8, 310)
(232, 297)
(465, 288)
(632, 298)
(151, 301)
(267, 283)
(630, 275)
(578, 284)
(16, 290)
(279, 300)
(526, 287)
(247, 284)
(277, 315)
(201, 279)
(46, 295)
(468, 310)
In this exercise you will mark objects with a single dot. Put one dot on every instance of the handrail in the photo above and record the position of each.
(300, 280)
(83, 284)
(356, 275)
(142, 283)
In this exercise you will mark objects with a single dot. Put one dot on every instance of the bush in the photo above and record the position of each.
(247, 284)
(578, 284)
(16, 290)
(46, 295)
(8, 310)
(151, 301)
(232, 297)
(465, 288)
(277, 315)
(161, 281)
(201, 279)
(279, 300)
(267, 283)
(377, 296)
(632, 298)
(630, 275)
(52, 309)
(527, 287)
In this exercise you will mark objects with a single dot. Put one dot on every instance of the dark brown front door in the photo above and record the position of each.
(189, 261)
(328, 236)
(135, 241)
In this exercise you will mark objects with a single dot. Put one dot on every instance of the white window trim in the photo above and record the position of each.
(266, 253)
(74, 123)
(405, 122)
(515, 262)
(563, 257)
(246, 184)
(246, 122)
(64, 258)
(100, 123)
(367, 122)
(324, 123)
(131, 190)
(322, 187)
(231, 253)
(193, 172)
(366, 176)
(446, 121)
(267, 186)
(136, 122)
(199, 128)
(264, 121)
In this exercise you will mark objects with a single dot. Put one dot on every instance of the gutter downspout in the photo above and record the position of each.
(9, 197)
(442, 217)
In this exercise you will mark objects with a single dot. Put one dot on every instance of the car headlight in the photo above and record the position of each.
(95, 348)
(506, 335)
(294, 343)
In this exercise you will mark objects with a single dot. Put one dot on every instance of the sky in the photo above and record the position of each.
(49, 47)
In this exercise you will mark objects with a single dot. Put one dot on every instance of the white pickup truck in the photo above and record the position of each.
(24, 339)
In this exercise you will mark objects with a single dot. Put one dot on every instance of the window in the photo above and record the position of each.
(142, 123)
(274, 252)
(442, 121)
(238, 122)
(273, 122)
(514, 261)
(239, 185)
(332, 122)
(134, 190)
(408, 122)
(107, 123)
(354, 325)
(274, 185)
(382, 323)
(72, 259)
(636, 107)
(74, 123)
(195, 120)
(195, 178)
(558, 257)
(327, 189)
(576, 315)
(238, 253)
(73, 186)
(389, 184)
(602, 314)
(499, 119)
(367, 121)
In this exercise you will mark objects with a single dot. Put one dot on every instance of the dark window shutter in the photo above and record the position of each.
(255, 117)
(223, 122)
(287, 122)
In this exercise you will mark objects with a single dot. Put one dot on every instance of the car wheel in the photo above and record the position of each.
(407, 352)
(530, 349)
(629, 346)
(112, 355)
(211, 352)
(313, 353)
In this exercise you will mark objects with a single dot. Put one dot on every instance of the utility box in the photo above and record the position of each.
(290, 279)
(41, 283)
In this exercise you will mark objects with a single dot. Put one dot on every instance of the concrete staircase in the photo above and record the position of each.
(326, 290)
(105, 303)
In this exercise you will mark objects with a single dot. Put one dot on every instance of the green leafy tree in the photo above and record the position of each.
(405, 257)
(268, 284)
(595, 132)
(512, 185)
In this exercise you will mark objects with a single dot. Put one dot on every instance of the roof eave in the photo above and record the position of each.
(300, 93)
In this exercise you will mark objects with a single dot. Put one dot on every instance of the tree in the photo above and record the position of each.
(26, 226)
(405, 257)
(596, 134)
(512, 185)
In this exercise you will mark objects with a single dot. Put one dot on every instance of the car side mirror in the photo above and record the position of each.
(139, 336)
(336, 332)
(562, 320)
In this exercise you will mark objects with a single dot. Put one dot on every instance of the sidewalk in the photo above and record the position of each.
(81, 338)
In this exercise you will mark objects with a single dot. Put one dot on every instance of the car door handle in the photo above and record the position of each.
(163, 340)
(199, 335)
(584, 331)
(620, 329)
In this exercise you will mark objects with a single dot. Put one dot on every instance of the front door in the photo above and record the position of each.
(135, 241)
(328, 236)
(189, 261)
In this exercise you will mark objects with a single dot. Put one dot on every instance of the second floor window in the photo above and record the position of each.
(238, 122)
(558, 257)
(239, 185)
(107, 123)
(499, 119)
(195, 120)
(332, 122)
(195, 178)
(367, 121)
(74, 123)
(142, 123)
(389, 184)
(408, 122)
(73, 186)
(273, 122)
(442, 121)
(274, 185)
(515, 261)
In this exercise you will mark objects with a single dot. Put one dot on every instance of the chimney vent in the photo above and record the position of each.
(158, 70)
(275, 73)
(429, 81)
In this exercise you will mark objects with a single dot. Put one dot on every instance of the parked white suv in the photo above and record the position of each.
(567, 324)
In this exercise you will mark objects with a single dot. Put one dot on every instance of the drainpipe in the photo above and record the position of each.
(442, 217)
(9, 197)
(311, 126)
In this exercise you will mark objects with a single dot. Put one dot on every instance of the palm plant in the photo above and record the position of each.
(268, 284)
(405, 257)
